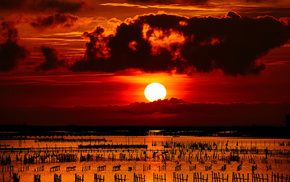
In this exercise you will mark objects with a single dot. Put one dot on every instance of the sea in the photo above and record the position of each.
(144, 158)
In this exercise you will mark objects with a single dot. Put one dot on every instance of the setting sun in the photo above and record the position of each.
(155, 91)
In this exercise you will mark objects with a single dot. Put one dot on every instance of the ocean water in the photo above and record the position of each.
(176, 153)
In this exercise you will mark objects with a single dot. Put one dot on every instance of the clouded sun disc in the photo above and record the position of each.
(155, 91)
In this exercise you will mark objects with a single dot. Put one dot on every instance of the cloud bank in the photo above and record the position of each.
(51, 59)
(171, 112)
(162, 42)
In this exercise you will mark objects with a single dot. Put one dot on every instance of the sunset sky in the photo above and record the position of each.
(87, 62)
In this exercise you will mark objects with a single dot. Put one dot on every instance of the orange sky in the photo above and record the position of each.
(60, 58)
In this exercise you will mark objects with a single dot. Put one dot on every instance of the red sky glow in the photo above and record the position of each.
(95, 58)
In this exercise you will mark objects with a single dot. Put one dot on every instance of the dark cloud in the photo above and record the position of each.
(10, 51)
(171, 112)
(231, 14)
(113, 53)
(255, 11)
(96, 52)
(13, 4)
(60, 6)
(51, 59)
(65, 20)
(233, 44)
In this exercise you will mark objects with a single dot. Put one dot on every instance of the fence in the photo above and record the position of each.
(217, 177)
(163, 167)
(254, 167)
(101, 168)
(178, 168)
(86, 168)
(280, 178)
(70, 168)
(54, 168)
(22, 169)
(63, 156)
(198, 177)
(179, 177)
(208, 167)
(99, 178)
(237, 177)
(79, 178)
(224, 167)
(112, 157)
(138, 178)
(119, 178)
(181, 155)
(16, 177)
(259, 178)
(36, 178)
(252, 161)
(159, 178)
(8, 169)
(41, 168)
(117, 168)
(57, 178)
(146, 168)
(239, 167)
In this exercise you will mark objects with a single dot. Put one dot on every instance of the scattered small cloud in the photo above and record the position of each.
(63, 20)
(10, 51)
(51, 59)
